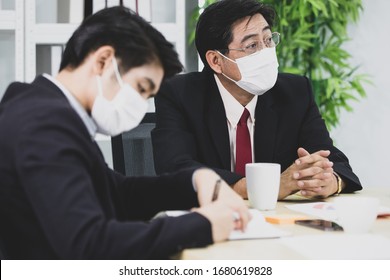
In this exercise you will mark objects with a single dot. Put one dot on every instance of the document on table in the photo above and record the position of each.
(323, 210)
(257, 228)
(326, 210)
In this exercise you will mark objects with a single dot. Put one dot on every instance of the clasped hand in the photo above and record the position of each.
(311, 175)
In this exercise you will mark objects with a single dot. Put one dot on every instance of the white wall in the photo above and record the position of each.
(364, 135)
(7, 59)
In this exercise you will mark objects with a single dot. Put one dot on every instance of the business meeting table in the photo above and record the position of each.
(304, 242)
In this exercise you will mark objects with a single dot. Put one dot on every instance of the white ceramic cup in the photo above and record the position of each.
(262, 181)
(356, 214)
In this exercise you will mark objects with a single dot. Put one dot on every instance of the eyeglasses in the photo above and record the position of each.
(269, 41)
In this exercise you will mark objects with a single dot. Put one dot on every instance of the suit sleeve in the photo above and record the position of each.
(174, 144)
(140, 198)
(55, 173)
(314, 136)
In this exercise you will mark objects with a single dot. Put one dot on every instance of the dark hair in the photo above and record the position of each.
(135, 41)
(214, 28)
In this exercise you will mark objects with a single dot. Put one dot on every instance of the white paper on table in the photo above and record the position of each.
(340, 246)
(326, 210)
(323, 210)
(176, 213)
(257, 228)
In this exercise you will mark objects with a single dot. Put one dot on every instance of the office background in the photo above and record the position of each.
(363, 134)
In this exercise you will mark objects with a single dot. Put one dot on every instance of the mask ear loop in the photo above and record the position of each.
(99, 85)
(227, 77)
(116, 70)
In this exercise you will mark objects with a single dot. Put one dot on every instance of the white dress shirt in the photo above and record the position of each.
(234, 110)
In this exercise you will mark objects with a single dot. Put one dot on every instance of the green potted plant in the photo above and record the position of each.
(312, 36)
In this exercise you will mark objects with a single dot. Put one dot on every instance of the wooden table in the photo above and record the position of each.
(274, 249)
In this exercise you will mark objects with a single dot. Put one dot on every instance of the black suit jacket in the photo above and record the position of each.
(58, 198)
(191, 127)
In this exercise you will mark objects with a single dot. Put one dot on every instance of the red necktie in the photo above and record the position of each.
(243, 144)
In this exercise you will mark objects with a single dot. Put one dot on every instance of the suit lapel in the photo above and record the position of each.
(217, 124)
(265, 128)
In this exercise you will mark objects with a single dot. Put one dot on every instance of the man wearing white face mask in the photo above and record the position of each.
(124, 112)
(239, 110)
(58, 198)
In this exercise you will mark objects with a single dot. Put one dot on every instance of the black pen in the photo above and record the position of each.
(216, 189)
(217, 186)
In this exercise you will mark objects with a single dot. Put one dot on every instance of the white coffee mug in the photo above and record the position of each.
(262, 181)
(356, 214)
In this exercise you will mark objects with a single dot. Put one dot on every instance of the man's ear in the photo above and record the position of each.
(214, 59)
(102, 59)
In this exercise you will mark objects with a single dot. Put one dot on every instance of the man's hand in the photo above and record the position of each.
(288, 184)
(311, 174)
(205, 180)
(221, 218)
(240, 188)
(314, 174)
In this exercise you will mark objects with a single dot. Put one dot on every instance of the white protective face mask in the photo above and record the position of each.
(123, 113)
(259, 71)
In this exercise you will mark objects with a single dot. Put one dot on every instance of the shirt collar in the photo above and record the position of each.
(80, 110)
(233, 108)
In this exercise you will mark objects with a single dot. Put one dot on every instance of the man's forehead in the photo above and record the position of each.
(249, 24)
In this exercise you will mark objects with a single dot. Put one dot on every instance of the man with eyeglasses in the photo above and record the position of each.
(239, 109)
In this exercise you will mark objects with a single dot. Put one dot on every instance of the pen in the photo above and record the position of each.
(216, 189)
(217, 186)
